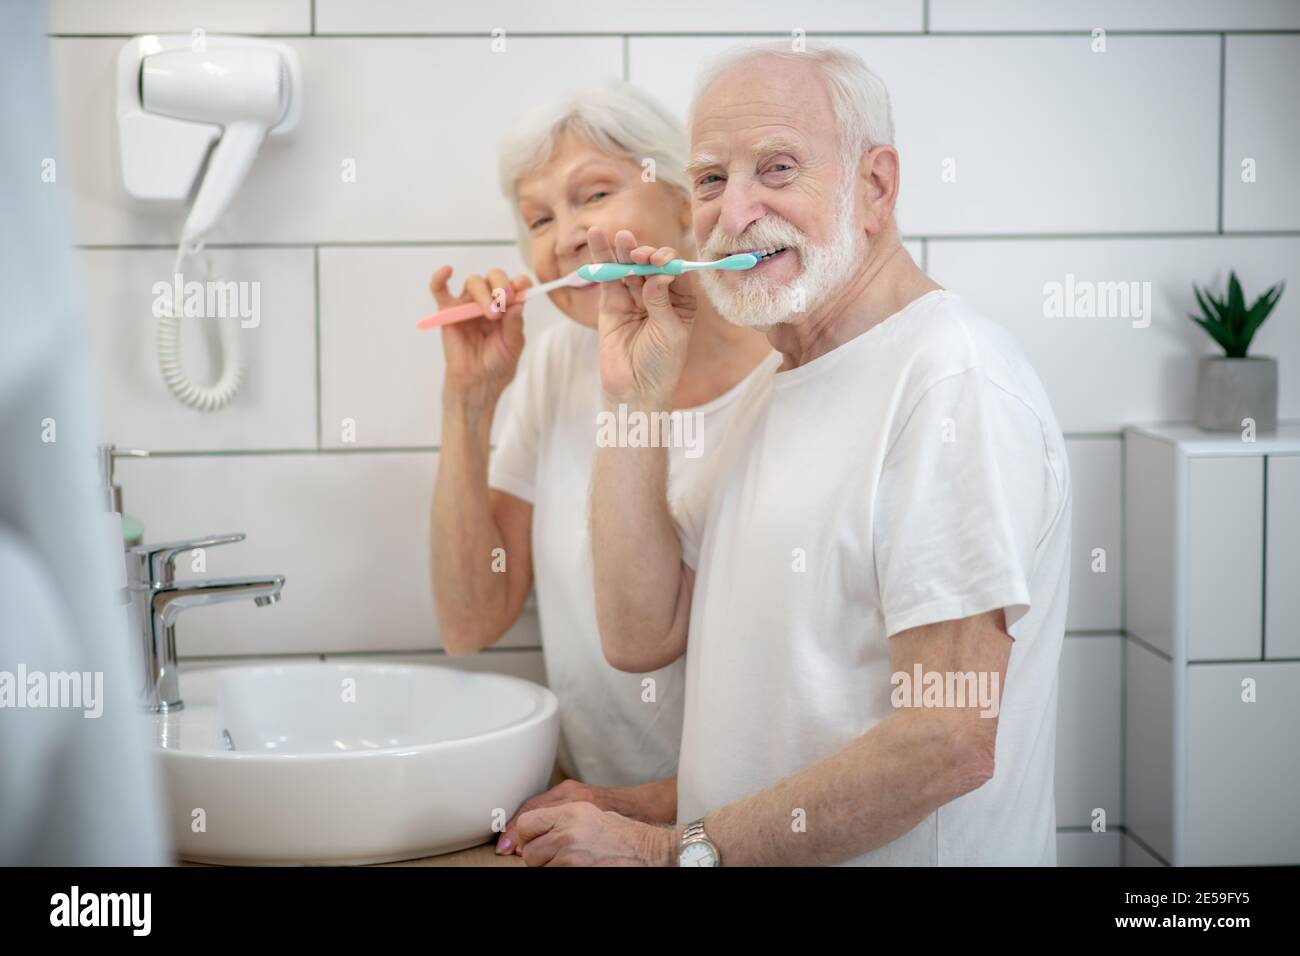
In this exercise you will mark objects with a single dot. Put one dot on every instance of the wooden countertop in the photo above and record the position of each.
(484, 855)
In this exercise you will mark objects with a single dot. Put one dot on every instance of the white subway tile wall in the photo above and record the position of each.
(396, 141)
(1135, 854)
(1088, 848)
(1036, 134)
(1088, 729)
(276, 407)
(599, 16)
(1035, 151)
(1103, 370)
(1259, 148)
(1097, 537)
(83, 17)
(1014, 16)
(348, 530)
(376, 373)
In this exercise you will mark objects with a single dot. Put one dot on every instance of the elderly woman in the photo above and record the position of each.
(503, 525)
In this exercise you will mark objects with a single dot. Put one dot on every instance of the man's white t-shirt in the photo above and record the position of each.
(616, 730)
(915, 474)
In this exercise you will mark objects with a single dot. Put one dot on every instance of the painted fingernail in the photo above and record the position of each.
(504, 845)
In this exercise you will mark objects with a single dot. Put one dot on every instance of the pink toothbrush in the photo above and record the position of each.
(472, 310)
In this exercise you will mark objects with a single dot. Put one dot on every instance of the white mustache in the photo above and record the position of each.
(767, 232)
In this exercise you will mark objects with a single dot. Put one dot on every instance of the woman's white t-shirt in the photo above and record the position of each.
(617, 729)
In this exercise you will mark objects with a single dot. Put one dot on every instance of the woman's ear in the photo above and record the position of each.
(687, 225)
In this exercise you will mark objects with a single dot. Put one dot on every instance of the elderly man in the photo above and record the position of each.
(873, 580)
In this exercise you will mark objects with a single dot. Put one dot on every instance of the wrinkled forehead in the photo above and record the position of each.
(760, 101)
(571, 155)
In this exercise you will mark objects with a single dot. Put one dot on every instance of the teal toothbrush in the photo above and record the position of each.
(609, 271)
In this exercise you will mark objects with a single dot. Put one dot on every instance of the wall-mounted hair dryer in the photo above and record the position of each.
(177, 96)
(245, 91)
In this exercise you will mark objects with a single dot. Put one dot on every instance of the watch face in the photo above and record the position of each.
(697, 854)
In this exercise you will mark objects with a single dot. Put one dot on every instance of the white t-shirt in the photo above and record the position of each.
(612, 734)
(917, 474)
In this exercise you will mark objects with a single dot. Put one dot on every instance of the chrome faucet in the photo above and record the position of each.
(157, 599)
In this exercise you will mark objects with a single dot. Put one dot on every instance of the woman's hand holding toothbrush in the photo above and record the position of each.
(482, 353)
(644, 324)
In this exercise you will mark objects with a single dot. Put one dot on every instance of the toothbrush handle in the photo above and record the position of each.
(609, 271)
(457, 313)
(472, 310)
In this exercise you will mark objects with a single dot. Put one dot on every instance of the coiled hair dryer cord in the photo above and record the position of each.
(204, 398)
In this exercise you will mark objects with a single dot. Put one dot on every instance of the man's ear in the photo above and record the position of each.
(878, 176)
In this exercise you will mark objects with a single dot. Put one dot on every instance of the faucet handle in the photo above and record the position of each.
(158, 560)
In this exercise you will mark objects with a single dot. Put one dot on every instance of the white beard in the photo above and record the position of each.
(756, 301)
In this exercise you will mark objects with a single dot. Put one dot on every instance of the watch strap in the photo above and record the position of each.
(694, 833)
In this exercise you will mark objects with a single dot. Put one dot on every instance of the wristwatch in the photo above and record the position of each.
(695, 848)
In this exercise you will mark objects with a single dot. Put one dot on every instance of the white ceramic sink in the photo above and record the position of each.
(349, 763)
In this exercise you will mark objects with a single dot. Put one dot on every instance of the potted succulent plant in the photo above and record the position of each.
(1235, 386)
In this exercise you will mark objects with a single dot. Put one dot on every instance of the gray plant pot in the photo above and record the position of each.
(1230, 389)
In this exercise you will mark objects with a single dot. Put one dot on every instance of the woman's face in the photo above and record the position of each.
(581, 186)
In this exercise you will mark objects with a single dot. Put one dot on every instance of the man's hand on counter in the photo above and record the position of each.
(654, 803)
(582, 834)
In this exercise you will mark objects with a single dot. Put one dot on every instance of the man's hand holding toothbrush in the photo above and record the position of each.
(644, 324)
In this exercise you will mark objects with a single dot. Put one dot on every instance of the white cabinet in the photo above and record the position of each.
(1282, 561)
(1225, 557)
(1089, 731)
(1212, 655)
(1149, 749)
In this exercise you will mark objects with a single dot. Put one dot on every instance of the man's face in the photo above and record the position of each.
(766, 174)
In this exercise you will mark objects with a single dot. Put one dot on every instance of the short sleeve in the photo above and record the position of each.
(513, 465)
(962, 502)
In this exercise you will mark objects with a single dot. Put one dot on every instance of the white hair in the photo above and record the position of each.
(615, 117)
(859, 98)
